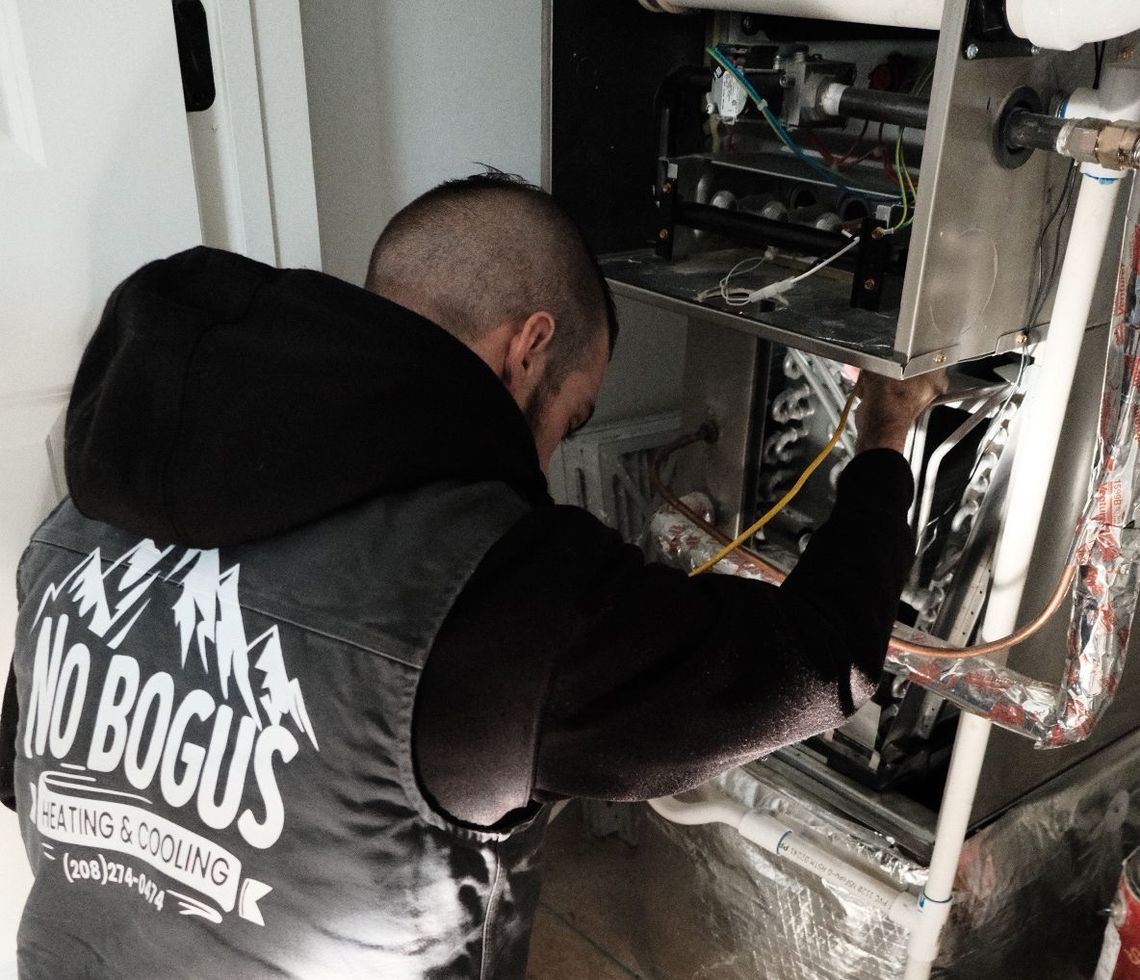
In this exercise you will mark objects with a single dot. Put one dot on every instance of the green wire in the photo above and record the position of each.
(902, 172)
(902, 183)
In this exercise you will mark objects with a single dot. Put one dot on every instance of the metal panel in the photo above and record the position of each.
(725, 379)
(971, 254)
(821, 321)
(971, 262)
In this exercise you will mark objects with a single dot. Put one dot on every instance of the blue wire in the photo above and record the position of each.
(779, 130)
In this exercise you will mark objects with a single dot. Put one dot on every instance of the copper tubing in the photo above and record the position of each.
(707, 433)
(1020, 635)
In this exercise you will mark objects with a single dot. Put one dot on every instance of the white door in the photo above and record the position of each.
(95, 180)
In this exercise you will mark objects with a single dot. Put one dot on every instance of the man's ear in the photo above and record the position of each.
(527, 351)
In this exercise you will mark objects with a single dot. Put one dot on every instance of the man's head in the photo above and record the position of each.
(500, 265)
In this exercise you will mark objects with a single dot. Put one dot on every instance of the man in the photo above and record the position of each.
(293, 696)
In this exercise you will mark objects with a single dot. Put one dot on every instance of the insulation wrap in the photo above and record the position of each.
(1105, 550)
(712, 905)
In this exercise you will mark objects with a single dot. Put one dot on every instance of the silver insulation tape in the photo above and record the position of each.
(1106, 548)
(711, 904)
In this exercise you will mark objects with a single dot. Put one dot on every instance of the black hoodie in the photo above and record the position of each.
(221, 401)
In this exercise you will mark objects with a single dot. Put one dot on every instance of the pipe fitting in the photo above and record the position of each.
(1113, 146)
(1119, 145)
(1078, 139)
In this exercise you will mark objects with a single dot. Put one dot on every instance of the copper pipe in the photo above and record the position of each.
(1020, 635)
(707, 433)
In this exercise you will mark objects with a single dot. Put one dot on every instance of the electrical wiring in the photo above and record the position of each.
(844, 158)
(906, 185)
(1044, 281)
(772, 573)
(739, 296)
(907, 190)
(902, 185)
(732, 295)
(775, 124)
(913, 189)
(788, 497)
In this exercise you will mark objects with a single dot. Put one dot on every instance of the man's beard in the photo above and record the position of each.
(537, 404)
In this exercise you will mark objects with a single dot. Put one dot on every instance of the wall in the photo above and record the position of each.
(405, 95)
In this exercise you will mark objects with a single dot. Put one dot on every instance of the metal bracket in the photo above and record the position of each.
(1016, 340)
(987, 33)
(871, 259)
(665, 194)
(932, 361)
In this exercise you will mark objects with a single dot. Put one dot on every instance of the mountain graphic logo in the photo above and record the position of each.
(208, 616)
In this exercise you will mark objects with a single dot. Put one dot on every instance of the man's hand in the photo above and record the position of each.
(887, 408)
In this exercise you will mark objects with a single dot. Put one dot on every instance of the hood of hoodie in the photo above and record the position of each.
(221, 400)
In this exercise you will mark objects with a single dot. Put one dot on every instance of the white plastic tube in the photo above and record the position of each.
(779, 839)
(1040, 429)
(1064, 25)
(895, 13)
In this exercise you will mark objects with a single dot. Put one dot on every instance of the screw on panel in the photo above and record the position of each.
(1021, 339)
(869, 284)
(663, 233)
(972, 51)
(1126, 53)
(667, 187)
(939, 358)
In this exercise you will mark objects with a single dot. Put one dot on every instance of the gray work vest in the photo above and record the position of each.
(214, 769)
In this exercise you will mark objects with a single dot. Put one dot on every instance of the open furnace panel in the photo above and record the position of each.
(914, 237)
(676, 175)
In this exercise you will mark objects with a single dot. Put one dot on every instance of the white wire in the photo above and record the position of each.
(722, 288)
(739, 296)
(826, 262)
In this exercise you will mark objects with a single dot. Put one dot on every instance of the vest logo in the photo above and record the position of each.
(217, 747)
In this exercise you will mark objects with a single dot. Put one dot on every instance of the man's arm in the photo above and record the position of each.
(569, 666)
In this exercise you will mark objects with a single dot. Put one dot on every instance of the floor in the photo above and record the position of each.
(587, 908)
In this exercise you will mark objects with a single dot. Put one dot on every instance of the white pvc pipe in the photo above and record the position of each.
(1039, 431)
(1064, 25)
(895, 13)
(1060, 25)
(779, 839)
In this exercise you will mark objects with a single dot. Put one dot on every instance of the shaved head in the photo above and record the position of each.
(473, 254)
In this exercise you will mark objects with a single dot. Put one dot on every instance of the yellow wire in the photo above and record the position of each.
(788, 497)
(913, 189)
(899, 164)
